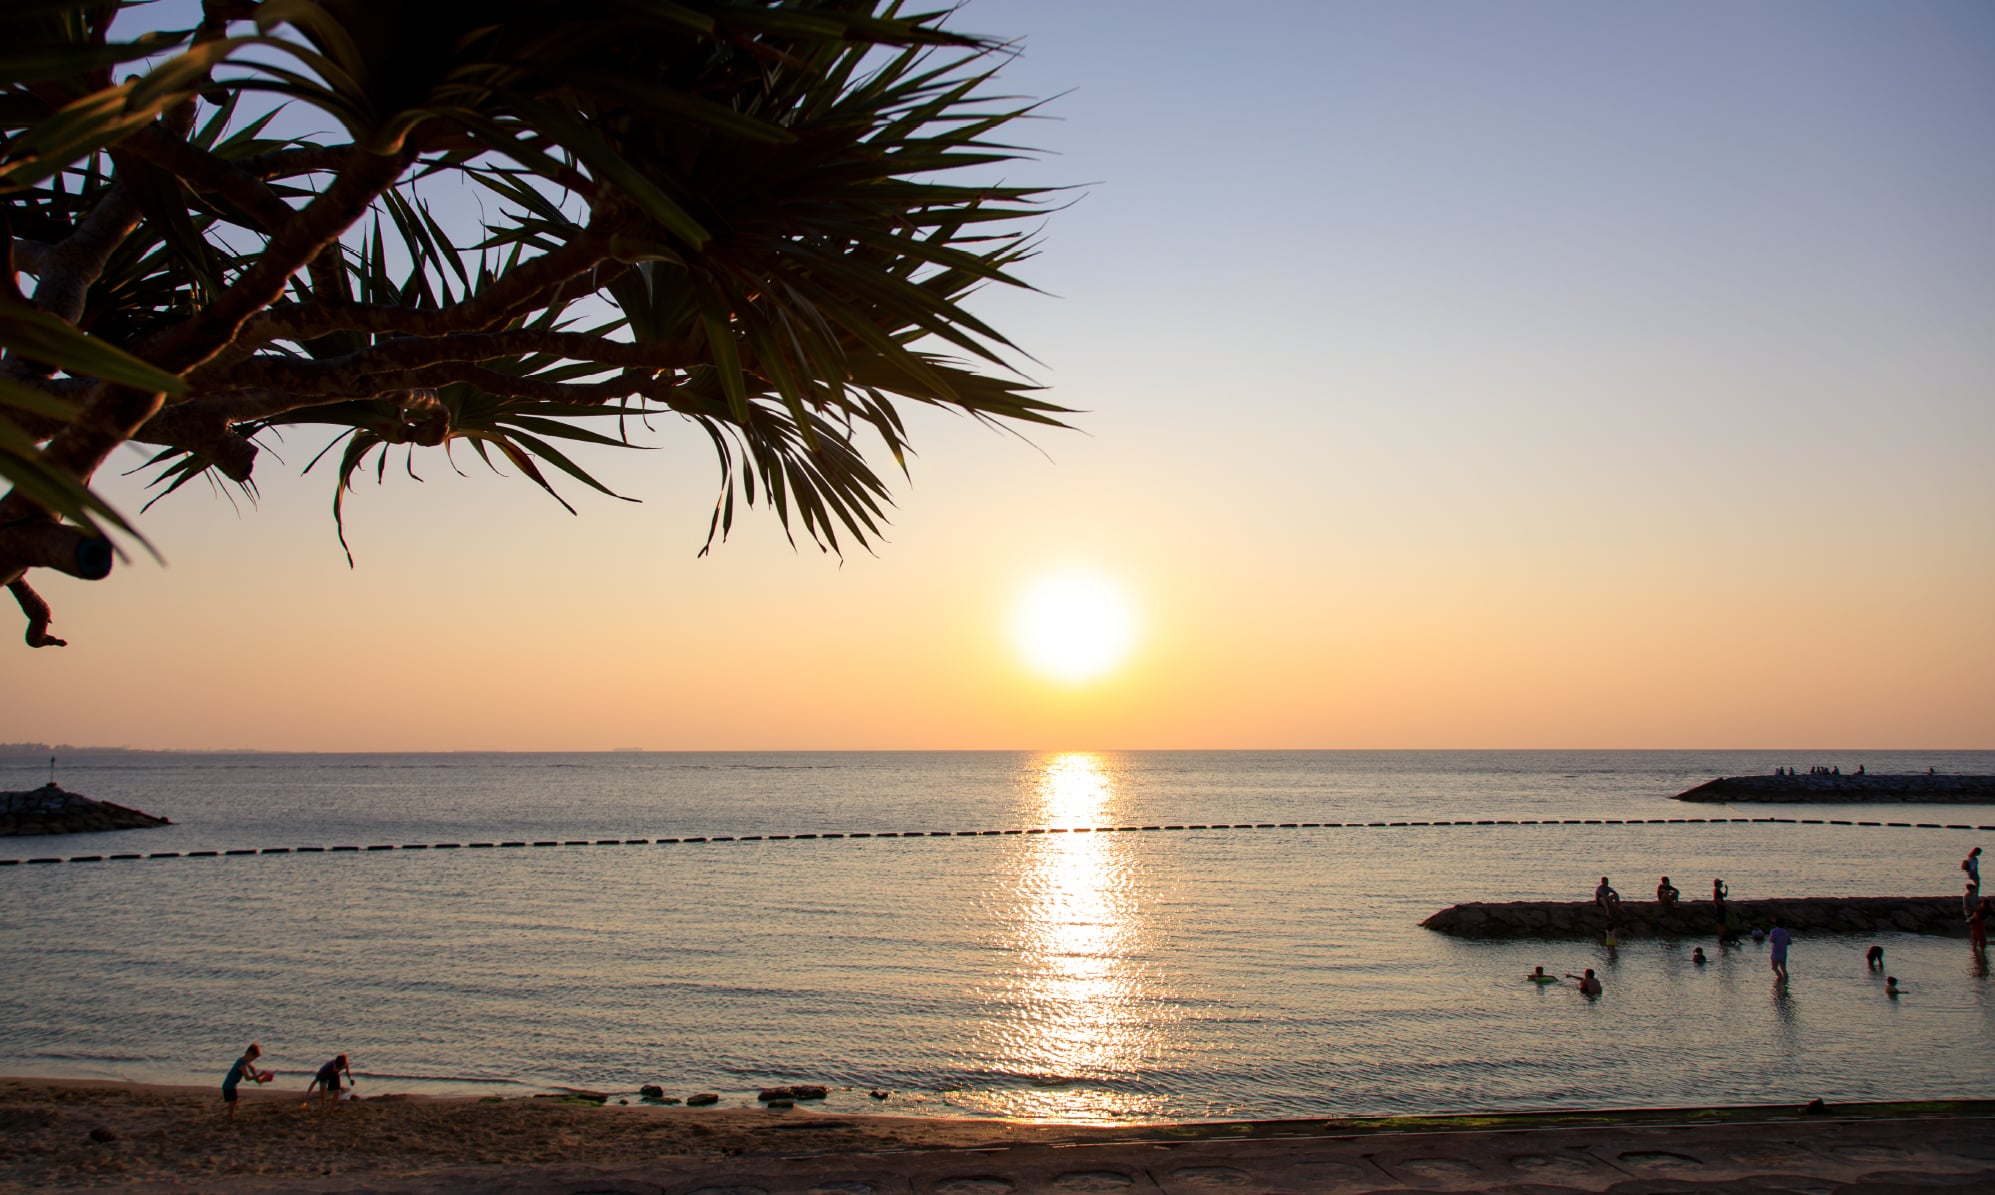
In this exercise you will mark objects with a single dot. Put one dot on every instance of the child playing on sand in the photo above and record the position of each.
(327, 1081)
(245, 1068)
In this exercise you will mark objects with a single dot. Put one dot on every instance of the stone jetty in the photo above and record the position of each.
(1853, 788)
(52, 809)
(1647, 919)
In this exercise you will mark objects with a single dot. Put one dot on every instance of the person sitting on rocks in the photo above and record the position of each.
(1589, 983)
(1873, 959)
(1666, 893)
(1606, 897)
(1969, 899)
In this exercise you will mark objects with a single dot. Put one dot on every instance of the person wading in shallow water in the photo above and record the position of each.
(1589, 984)
(1779, 939)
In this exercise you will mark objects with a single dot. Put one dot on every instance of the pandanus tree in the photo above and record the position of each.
(761, 217)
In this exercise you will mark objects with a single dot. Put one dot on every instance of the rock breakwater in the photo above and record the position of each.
(52, 809)
(1854, 788)
(1940, 915)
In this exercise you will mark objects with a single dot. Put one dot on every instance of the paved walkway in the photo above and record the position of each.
(1808, 1156)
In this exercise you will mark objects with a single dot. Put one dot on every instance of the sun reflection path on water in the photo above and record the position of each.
(1077, 1019)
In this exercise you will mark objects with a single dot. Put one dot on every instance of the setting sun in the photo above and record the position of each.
(1074, 627)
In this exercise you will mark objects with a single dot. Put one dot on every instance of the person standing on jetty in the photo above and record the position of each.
(245, 1068)
(1779, 939)
(1728, 920)
(1972, 866)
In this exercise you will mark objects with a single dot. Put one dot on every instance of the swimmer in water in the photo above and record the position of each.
(1697, 956)
(1891, 987)
(1589, 985)
(1538, 975)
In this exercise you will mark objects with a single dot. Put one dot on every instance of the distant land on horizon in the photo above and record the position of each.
(30, 750)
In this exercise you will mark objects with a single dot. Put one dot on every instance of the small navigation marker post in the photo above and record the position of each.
(51, 771)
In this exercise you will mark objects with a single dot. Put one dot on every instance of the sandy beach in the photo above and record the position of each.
(65, 1135)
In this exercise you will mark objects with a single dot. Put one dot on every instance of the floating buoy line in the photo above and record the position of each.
(720, 838)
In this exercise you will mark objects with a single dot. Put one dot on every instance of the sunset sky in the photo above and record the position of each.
(1453, 375)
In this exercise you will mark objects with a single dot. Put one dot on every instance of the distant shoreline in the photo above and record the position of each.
(30, 752)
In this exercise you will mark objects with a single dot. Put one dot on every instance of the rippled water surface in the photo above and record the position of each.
(1181, 974)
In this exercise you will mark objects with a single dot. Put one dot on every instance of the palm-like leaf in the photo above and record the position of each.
(753, 202)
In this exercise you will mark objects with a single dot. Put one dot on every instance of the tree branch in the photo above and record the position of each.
(510, 295)
(38, 614)
(215, 326)
(354, 373)
(30, 257)
(206, 173)
(58, 546)
(69, 267)
(113, 412)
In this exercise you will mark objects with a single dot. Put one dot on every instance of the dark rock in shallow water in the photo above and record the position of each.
(1852, 789)
(806, 1091)
(651, 1091)
(702, 1100)
(51, 809)
(1940, 915)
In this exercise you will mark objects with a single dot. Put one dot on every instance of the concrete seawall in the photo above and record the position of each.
(1932, 790)
(1527, 919)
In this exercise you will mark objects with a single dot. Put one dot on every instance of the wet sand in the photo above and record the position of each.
(65, 1135)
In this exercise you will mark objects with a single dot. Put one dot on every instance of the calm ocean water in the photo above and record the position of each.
(1191, 974)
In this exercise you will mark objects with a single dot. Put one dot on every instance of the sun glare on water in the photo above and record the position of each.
(1074, 627)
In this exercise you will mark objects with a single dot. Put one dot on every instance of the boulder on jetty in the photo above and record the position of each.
(1647, 919)
(51, 809)
(1851, 788)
